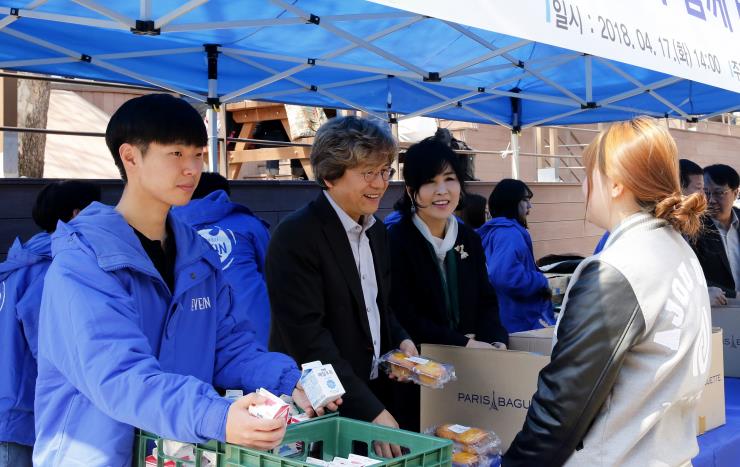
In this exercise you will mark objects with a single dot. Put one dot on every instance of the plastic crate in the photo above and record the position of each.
(328, 437)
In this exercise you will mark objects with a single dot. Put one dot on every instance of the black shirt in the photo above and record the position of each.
(162, 258)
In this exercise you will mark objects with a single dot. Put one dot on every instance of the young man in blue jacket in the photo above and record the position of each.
(137, 321)
(240, 239)
(21, 283)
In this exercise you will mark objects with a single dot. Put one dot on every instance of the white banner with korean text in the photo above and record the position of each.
(697, 40)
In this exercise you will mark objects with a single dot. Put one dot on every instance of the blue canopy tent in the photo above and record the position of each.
(350, 54)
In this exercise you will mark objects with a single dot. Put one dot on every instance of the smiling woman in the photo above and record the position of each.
(440, 290)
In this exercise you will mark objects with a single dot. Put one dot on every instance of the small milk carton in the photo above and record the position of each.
(362, 460)
(320, 383)
(272, 408)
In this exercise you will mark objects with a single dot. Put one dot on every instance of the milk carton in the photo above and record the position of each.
(320, 383)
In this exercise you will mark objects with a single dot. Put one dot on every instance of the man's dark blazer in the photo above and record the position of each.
(318, 309)
(417, 292)
(712, 256)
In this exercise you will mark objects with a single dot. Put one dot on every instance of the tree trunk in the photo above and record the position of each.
(33, 107)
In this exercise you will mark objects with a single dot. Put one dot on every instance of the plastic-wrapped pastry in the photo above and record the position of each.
(420, 370)
(465, 459)
(469, 439)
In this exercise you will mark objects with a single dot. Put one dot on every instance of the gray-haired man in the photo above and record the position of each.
(328, 270)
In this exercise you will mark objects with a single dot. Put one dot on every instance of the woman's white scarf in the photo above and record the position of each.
(440, 246)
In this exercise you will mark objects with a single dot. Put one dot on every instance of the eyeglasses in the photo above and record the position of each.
(716, 194)
(385, 173)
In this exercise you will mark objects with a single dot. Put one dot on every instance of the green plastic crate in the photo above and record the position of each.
(337, 435)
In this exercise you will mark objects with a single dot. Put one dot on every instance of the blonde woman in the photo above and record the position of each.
(632, 345)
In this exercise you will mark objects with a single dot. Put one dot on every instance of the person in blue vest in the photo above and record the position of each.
(524, 297)
(21, 283)
(138, 323)
(240, 238)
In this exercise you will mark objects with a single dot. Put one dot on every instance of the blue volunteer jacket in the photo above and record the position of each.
(240, 239)
(21, 282)
(118, 350)
(514, 274)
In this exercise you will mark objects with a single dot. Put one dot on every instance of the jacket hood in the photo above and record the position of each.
(498, 223)
(210, 209)
(21, 255)
(102, 231)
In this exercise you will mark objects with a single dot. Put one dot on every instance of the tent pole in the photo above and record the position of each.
(394, 130)
(516, 129)
(212, 117)
(213, 107)
(515, 155)
(223, 168)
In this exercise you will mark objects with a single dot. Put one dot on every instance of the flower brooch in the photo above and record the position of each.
(461, 250)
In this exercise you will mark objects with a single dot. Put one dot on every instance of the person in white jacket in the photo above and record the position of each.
(633, 340)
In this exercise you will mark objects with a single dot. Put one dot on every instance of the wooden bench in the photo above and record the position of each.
(249, 114)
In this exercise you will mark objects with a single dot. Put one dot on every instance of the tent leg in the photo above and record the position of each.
(213, 154)
(396, 162)
(222, 157)
(515, 155)
(212, 114)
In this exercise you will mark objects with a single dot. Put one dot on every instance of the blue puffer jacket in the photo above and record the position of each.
(240, 238)
(514, 274)
(118, 350)
(21, 283)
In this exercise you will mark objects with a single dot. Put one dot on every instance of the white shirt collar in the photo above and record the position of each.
(735, 223)
(348, 223)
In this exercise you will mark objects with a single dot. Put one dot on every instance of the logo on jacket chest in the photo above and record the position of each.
(200, 303)
(221, 240)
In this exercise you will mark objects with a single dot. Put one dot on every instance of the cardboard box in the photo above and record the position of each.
(536, 341)
(493, 390)
(728, 318)
(710, 411)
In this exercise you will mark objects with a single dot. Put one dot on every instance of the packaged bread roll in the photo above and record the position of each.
(465, 459)
(420, 370)
(471, 440)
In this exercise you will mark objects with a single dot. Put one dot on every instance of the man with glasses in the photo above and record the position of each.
(328, 270)
(718, 246)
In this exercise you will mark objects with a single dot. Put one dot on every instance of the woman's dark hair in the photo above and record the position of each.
(505, 198)
(57, 201)
(424, 161)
